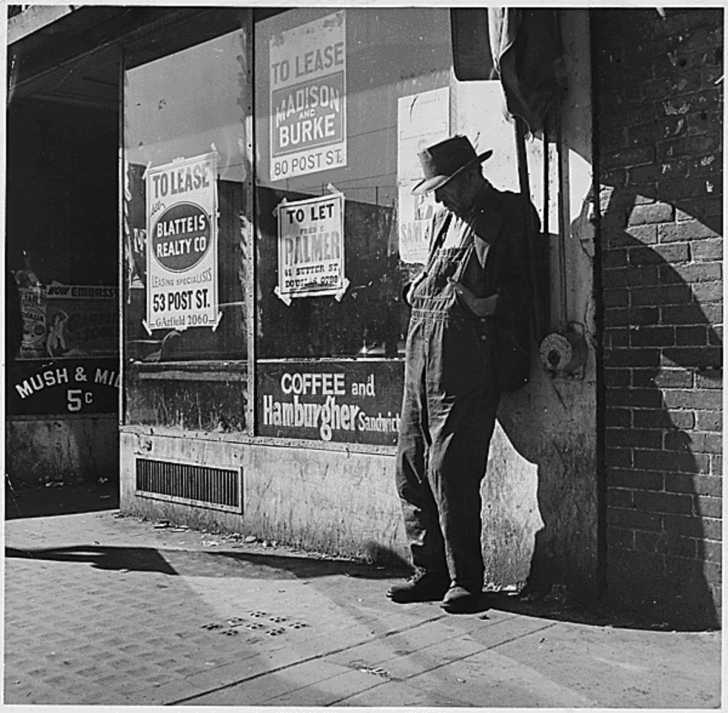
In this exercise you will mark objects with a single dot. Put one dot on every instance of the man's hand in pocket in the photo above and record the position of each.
(479, 306)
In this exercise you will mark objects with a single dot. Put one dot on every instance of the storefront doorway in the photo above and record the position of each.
(62, 385)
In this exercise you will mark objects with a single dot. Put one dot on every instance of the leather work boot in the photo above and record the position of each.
(459, 600)
(422, 586)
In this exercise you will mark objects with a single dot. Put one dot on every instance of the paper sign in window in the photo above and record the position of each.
(311, 248)
(307, 75)
(422, 120)
(182, 275)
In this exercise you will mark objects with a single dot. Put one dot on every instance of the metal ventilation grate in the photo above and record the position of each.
(199, 485)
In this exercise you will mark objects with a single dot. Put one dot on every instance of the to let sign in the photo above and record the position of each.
(311, 248)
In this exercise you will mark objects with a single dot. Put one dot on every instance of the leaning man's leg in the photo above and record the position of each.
(419, 510)
(458, 457)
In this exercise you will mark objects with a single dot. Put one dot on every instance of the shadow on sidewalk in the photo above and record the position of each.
(252, 565)
(597, 614)
(140, 559)
(246, 565)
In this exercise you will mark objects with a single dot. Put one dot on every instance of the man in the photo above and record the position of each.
(468, 305)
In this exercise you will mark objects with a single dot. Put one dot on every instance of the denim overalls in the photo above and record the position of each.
(448, 414)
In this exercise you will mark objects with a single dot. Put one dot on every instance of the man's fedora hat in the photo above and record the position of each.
(443, 161)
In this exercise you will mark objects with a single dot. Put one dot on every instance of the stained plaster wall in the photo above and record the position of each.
(329, 501)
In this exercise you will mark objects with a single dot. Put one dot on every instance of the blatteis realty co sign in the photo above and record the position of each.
(182, 270)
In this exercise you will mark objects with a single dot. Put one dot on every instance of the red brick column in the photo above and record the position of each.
(658, 98)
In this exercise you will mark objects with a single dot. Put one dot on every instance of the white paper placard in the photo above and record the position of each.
(308, 98)
(311, 248)
(422, 120)
(181, 217)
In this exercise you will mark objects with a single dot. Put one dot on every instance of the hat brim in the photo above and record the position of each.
(433, 183)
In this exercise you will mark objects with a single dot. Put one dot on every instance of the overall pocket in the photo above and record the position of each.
(466, 355)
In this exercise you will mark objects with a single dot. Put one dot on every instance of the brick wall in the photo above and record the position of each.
(658, 96)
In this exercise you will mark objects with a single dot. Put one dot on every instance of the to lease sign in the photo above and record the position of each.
(182, 245)
(308, 98)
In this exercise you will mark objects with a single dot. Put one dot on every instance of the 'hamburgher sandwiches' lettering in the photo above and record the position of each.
(301, 406)
(326, 417)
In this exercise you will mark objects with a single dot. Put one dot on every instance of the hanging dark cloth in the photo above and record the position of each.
(526, 50)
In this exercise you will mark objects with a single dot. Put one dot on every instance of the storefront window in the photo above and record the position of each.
(269, 264)
(344, 100)
(185, 166)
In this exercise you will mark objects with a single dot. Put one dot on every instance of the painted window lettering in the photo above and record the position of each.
(76, 398)
(313, 383)
(76, 387)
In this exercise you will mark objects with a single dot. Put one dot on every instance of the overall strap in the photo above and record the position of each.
(438, 240)
(464, 259)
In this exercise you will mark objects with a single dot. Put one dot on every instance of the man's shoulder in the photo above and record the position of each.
(513, 204)
(508, 198)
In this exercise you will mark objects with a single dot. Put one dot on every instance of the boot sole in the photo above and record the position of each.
(465, 605)
(415, 599)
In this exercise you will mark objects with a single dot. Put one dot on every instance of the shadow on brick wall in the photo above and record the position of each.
(662, 360)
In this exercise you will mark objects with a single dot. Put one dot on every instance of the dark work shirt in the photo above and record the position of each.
(500, 227)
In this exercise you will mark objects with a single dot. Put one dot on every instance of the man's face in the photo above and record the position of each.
(457, 195)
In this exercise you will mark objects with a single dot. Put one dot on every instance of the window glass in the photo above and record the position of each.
(184, 171)
(336, 153)
(344, 101)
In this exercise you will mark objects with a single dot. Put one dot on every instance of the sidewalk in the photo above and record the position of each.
(101, 609)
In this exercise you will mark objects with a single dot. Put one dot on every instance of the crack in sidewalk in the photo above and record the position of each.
(443, 664)
(306, 659)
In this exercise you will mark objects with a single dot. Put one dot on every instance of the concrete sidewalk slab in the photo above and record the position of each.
(102, 609)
